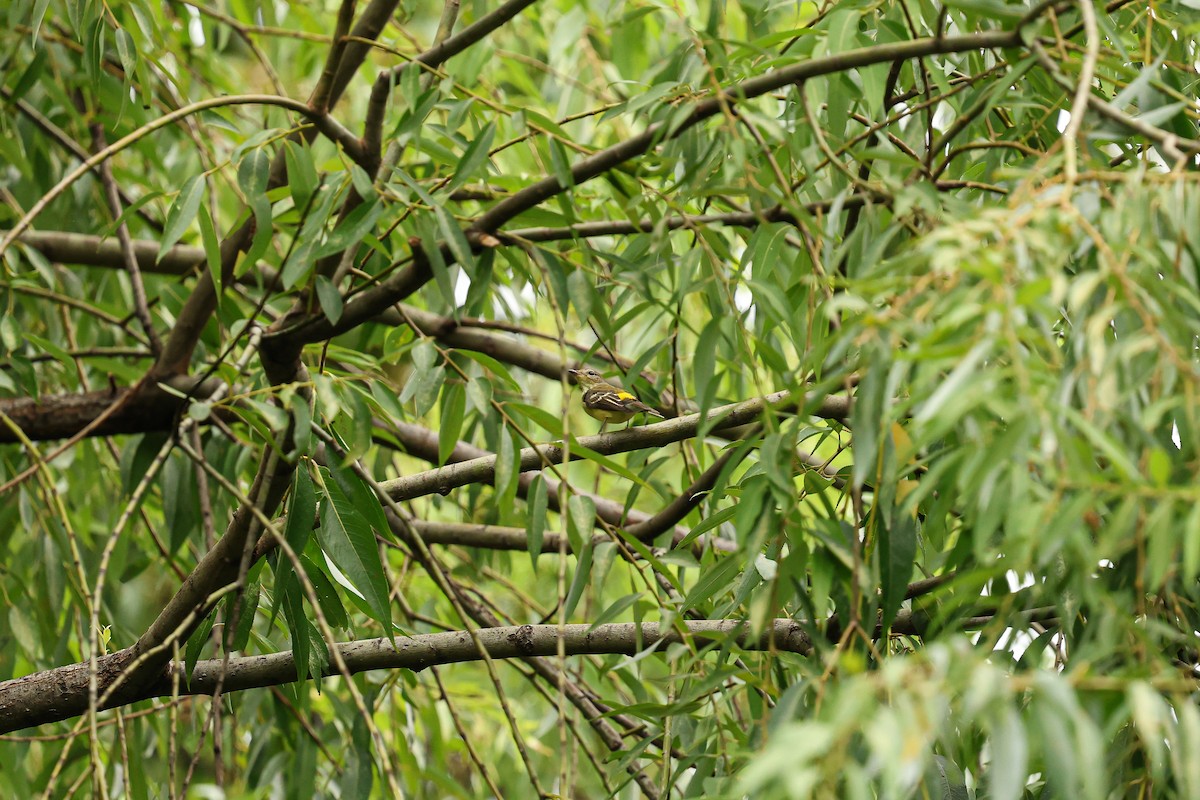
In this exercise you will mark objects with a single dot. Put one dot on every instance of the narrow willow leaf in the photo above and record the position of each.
(535, 526)
(897, 552)
(245, 611)
(181, 213)
(327, 595)
(195, 644)
(711, 582)
(302, 511)
(454, 406)
(615, 610)
(330, 299)
(581, 516)
(347, 539)
(360, 494)
(583, 572)
(212, 250)
(474, 157)
(357, 224)
(1006, 773)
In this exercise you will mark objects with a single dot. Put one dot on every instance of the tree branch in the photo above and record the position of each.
(47, 696)
(483, 470)
(598, 163)
(403, 282)
(63, 415)
(113, 194)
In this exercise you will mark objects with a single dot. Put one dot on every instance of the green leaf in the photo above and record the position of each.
(181, 213)
(127, 52)
(535, 525)
(579, 285)
(454, 406)
(581, 519)
(253, 175)
(426, 379)
(583, 572)
(538, 415)
(474, 157)
(346, 538)
(492, 365)
(705, 363)
(360, 494)
(506, 466)
(196, 643)
(245, 611)
(711, 582)
(615, 610)
(302, 511)
(455, 238)
(352, 229)
(327, 595)
(212, 250)
(897, 552)
(290, 595)
(579, 451)
(302, 175)
(330, 299)
(1006, 774)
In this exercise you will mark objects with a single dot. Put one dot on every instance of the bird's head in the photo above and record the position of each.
(586, 376)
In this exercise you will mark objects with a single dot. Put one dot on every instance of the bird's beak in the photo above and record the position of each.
(574, 373)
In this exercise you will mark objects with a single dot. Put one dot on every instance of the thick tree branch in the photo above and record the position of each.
(63, 415)
(49, 696)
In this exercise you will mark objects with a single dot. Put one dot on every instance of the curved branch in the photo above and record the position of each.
(323, 122)
(598, 163)
(403, 282)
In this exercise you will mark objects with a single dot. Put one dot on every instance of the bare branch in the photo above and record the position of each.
(140, 306)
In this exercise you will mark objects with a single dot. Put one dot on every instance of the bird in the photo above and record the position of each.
(608, 403)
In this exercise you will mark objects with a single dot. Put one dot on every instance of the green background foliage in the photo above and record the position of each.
(972, 220)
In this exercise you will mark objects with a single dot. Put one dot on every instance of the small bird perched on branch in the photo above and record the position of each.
(608, 403)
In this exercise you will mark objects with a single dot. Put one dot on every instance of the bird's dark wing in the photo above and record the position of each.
(615, 400)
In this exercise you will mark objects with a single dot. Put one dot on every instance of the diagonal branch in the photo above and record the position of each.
(483, 470)
(403, 282)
